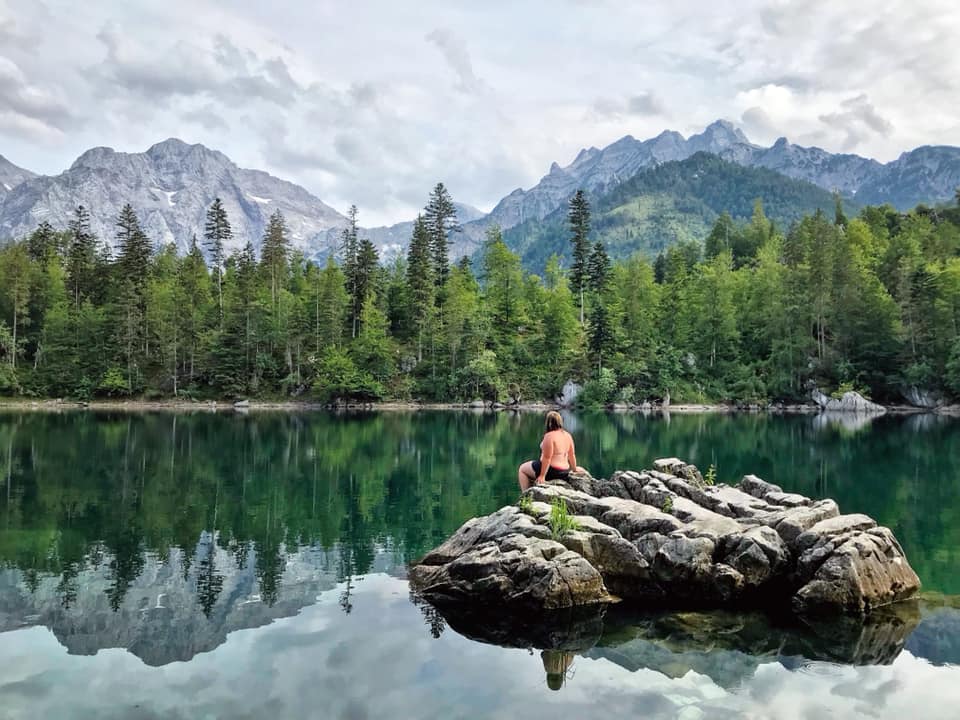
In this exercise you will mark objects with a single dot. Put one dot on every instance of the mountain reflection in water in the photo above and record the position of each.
(183, 539)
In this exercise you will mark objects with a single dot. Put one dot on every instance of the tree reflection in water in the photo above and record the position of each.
(223, 513)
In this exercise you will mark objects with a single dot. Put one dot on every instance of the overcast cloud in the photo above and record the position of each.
(373, 102)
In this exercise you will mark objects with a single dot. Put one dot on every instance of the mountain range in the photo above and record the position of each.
(173, 183)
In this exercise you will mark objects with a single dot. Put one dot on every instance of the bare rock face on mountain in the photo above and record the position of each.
(170, 186)
(11, 176)
(665, 536)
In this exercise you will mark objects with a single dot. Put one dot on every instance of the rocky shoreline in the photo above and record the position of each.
(668, 537)
(59, 405)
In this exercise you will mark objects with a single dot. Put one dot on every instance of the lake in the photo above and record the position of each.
(202, 565)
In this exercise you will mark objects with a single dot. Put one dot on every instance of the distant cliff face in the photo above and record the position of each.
(11, 176)
(927, 174)
(171, 185)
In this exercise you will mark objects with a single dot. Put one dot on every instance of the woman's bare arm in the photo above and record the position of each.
(572, 454)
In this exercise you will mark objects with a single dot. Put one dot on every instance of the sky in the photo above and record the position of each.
(372, 101)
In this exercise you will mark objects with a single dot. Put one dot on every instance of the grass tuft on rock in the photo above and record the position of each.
(561, 521)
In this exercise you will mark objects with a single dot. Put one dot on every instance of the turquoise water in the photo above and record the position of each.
(171, 565)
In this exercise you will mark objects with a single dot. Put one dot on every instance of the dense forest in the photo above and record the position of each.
(752, 313)
(673, 202)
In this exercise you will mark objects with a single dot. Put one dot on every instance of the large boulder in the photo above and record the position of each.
(666, 535)
(852, 402)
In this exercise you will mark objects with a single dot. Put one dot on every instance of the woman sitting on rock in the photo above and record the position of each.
(557, 456)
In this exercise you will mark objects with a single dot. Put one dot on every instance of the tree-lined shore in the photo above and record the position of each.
(754, 314)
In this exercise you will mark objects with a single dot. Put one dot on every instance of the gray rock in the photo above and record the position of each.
(11, 176)
(752, 485)
(851, 402)
(569, 394)
(923, 397)
(663, 535)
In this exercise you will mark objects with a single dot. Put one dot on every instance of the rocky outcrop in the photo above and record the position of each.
(667, 537)
(851, 402)
(569, 394)
(923, 397)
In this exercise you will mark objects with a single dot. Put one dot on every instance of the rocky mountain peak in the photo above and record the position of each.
(11, 175)
(719, 135)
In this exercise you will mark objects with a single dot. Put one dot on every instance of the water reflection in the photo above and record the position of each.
(728, 647)
(164, 533)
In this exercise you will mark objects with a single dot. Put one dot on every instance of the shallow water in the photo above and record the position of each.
(170, 565)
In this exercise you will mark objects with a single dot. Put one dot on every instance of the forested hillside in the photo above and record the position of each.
(749, 311)
(673, 202)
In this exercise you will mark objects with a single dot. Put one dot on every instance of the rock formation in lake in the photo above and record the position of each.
(666, 537)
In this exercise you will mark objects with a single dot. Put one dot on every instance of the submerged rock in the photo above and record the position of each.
(665, 536)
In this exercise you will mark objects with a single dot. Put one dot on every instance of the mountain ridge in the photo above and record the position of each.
(173, 182)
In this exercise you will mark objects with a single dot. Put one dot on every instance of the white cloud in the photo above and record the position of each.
(356, 103)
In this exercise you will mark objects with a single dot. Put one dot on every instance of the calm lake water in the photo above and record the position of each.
(252, 566)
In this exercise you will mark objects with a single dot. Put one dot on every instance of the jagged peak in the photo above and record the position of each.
(625, 140)
(726, 130)
(669, 134)
(782, 142)
(585, 153)
(172, 144)
(93, 157)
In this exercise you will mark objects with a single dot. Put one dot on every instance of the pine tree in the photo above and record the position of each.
(42, 243)
(722, 236)
(134, 258)
(193, 285)
(601, 332)
(216, 234)
(275, 253)
(420, 280)
(368, 261)
(578, 218)
(349, 247)
(839, 218)
(81, 256)
(440, 218)
(599, 269)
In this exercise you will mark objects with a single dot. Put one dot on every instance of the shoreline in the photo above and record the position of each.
(172, 405)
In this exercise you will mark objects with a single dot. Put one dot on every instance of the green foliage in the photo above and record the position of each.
(561, 521)
(710, 477)
(738, 313)
(339, 380)
(667, 505)
(525, 503)
(114, 382)
(671, 203)
(599, 391)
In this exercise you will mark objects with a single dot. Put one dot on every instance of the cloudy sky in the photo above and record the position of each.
(371, 102)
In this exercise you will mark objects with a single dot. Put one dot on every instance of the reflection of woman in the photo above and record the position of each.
(555, 664)
(557, 456)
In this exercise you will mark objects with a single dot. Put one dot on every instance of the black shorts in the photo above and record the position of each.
(552, 472)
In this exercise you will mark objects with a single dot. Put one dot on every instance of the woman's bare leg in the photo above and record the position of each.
(526, 476)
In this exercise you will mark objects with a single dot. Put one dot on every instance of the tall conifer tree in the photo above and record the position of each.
(420, 279)
(81, 256)
(133, 260)
(440, 217)
(578, 218)
(217, 233)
